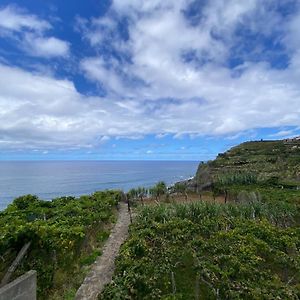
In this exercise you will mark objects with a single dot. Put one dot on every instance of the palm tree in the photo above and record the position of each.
(141, 193)
(182, 189)
(154, 192)
(132, 194)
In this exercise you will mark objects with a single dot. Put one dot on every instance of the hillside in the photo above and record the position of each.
(266, 159)
(245, 247)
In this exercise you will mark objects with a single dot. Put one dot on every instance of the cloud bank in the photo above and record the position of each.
(164, 67)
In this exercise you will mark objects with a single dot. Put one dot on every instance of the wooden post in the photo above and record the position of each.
(173, 283)
(15, 264)
(129, 209)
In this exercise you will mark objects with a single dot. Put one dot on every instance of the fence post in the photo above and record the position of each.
(129, 209)
(173, 283)
(15, 264)
(197, 289)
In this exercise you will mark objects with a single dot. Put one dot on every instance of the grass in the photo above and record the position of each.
(204, 249)
(264, 158)
(88, 260)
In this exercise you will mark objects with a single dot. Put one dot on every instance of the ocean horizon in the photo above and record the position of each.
(49, 179)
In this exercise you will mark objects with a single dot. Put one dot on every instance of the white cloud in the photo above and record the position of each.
(159, 38)
(104, 139)
(96, 30)
(39, 111)
(210, 98)
(13, 18)
(45, 46)
(33, 33)
(97, 70)
(161, 135)
(283, 134)
(176, 82)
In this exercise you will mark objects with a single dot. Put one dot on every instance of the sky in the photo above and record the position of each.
(146, 79)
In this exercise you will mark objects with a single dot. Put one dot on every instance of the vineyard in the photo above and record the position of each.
(207, 250)
(66, 236)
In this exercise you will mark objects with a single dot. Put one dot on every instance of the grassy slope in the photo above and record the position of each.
(248, 251)
(266, 158)
(220, 251)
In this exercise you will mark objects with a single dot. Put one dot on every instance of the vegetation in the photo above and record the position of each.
(264, 159)
(233, 178)
(137, 194)
(66, 236)
(181, 188)
(158, 190)
(245, 248)
(211, 251)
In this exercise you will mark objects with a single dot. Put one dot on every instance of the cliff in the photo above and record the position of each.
(278, 159)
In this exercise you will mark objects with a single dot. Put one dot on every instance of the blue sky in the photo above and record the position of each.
(132, 79)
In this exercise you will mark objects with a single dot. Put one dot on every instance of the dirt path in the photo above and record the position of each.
(102, 270)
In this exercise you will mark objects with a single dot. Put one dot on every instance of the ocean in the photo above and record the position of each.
(50, 179)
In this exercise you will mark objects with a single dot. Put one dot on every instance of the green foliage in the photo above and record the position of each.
(266, 159)
(102, 236)
(211, 251)
(25, 201)
(161, 187)
(233, 178)
(180, 187)
(280, 197)
(132, 194)
(153, 192)
(70, 294)
(137, 194)
(60, 232)
(88, 260)
(158, 190)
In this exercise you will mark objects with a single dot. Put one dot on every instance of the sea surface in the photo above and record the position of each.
(50, 179)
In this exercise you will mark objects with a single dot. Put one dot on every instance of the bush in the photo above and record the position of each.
(210, 251)
(59, 231)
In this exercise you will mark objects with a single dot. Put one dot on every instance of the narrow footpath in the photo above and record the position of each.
(102, 270)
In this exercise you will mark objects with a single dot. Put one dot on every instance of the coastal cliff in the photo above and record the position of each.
(277, 160)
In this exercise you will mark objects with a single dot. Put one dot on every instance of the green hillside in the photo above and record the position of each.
(247, 247)
(266, 159)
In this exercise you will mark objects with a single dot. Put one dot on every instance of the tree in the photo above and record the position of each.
(25, 201)
(161, 188)
(154, 192)
(132, 195)
(182, 189)
(141, 193)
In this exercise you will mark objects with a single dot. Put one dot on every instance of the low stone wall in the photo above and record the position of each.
(23, 288)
